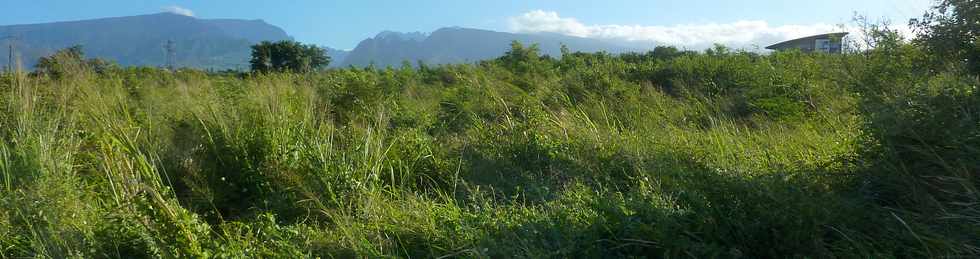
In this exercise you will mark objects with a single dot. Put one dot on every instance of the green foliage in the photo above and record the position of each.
(669, 153)
(71, 60)
(287, 56)
(922, 129)
(950, 31)
(522, 60)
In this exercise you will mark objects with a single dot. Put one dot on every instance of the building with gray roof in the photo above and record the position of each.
(823, 43)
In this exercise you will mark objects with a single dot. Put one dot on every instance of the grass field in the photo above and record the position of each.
(719, 154)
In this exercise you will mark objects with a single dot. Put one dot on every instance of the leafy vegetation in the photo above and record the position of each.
(664, 154)
(287, 56)
(70, 59)
(950, 31)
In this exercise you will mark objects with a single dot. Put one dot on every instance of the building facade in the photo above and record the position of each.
(824, 43)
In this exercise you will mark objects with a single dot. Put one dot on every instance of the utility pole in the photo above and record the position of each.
(10, 52)
(10, 58)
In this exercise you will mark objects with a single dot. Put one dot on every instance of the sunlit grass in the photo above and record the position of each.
(458, 161)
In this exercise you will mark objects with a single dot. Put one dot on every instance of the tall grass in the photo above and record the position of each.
(726, 154)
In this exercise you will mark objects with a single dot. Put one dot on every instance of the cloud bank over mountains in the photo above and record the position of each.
(739, 34)
(179, 10)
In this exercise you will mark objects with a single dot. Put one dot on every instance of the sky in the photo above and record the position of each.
(342, 24)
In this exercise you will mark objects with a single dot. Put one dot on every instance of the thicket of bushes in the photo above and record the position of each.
(664, 154)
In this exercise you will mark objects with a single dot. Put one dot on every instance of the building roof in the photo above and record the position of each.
(795, 42)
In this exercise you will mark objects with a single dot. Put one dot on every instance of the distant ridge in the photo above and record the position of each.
(139, 40)
(462, 45)
(337, 56)
(225, 43)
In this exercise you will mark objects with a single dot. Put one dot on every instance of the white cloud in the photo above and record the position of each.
(178, 10)
(739, 34)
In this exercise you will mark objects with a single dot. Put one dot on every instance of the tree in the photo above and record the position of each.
(57, 62)
(71, 59)
(950, 31)
(666, 53)
(287, 56)
(522, 59)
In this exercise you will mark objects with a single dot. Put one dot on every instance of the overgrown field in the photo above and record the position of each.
(666, 154)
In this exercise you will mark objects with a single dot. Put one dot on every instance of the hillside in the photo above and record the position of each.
(337, 56)
(139, 40)
(462, 45)
(224, 43)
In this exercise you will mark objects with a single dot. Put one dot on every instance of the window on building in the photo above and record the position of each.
(823, 45)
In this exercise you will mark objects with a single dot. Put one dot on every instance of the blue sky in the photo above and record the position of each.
(342, 24)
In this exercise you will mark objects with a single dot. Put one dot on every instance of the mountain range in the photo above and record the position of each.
(464, 45)
(141, 40)
(224, 43)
